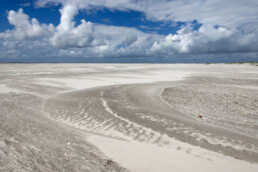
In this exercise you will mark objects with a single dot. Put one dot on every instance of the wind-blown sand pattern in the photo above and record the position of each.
(119, 117)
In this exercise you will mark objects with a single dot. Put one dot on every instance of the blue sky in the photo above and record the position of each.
(44, 15)
(106, 16)
(129, 31)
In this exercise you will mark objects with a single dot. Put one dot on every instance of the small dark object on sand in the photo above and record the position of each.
(109, 162)
(200, 116)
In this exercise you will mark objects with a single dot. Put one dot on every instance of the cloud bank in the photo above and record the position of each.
(228, 27)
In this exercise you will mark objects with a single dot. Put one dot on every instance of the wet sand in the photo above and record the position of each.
(119, 117)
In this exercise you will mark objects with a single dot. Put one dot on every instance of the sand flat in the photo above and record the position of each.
(137, 117)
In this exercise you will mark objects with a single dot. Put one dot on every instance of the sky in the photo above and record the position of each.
(130, 31)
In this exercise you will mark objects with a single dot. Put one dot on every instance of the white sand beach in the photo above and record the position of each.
(137, 117)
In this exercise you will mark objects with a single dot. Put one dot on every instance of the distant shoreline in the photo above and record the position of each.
(252, 62)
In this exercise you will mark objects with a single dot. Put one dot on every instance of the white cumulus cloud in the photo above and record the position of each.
(25, 28)
(67, 35)
(227, 26)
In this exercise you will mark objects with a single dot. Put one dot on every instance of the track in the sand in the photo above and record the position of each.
(136, 112)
